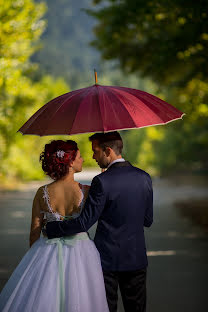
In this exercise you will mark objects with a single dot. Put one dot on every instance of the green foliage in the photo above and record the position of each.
(20, 28)
(166, 41)
(65, 50)
(21, 25)
(153, 36)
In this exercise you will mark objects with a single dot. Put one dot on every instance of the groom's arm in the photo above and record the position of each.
(148, 218)
(90, 214)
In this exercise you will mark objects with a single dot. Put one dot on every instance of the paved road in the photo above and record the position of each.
(177, 250)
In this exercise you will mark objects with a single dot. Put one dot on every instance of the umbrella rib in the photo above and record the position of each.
(145, 102)
(100, 108)
(156, 100)
(159, 101)
(115, 94)
(40, 111)
(60, 108)
(78, 111)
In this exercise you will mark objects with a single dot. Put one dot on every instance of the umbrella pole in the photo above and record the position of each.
(96, 81)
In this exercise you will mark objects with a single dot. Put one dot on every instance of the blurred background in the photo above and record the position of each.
(48, 48)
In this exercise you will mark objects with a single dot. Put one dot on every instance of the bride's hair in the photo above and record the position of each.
(57, 157)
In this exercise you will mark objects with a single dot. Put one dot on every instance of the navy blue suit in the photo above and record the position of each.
(121, 200)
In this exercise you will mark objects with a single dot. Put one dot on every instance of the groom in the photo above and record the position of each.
(120, 199)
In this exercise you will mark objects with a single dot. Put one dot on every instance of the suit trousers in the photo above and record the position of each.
(132, 286)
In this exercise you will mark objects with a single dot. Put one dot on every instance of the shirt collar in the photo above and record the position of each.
(115, 161)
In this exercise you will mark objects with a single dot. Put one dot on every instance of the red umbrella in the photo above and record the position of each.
(100, 109)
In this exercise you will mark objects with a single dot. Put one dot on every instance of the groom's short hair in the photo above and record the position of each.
(109, 139)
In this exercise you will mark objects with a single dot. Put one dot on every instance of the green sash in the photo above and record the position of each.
(71, 241)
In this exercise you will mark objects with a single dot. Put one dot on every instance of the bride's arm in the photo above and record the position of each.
(37, 218)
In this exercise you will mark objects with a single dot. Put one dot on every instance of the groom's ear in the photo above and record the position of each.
(108, 151)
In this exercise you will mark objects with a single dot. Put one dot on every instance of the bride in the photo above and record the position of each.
(62, 274)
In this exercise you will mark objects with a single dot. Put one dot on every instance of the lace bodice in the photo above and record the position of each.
(51, 215)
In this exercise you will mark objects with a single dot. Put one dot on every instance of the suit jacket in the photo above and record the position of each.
(121, 200)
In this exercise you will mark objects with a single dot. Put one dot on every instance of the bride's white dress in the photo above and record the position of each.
(57, 275)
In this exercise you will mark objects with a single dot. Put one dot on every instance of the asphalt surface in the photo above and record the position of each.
(177, 250)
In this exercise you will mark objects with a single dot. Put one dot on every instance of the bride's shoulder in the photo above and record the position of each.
(38, 198)
(40, 191)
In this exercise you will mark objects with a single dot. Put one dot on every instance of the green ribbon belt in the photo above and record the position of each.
(71, 241)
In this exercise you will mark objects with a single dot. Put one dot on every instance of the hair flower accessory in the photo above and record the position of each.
(60, 153)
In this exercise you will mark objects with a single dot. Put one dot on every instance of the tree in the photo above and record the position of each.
(65, 43)
(166, 41)
(21, 25)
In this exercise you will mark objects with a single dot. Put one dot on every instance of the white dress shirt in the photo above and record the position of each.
(116, 160)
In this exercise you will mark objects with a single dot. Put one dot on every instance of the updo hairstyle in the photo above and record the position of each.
(57, 158)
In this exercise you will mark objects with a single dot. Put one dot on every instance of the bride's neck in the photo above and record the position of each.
(69, 177)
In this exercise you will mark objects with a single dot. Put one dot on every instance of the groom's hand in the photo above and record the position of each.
(51, 229)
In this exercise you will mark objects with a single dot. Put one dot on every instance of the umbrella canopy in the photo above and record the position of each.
(100, 109)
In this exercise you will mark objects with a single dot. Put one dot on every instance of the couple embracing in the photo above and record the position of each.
(65, 271)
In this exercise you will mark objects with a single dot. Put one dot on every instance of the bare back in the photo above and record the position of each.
(65, 198)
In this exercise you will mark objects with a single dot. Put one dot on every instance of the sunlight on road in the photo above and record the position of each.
(161, 253)
(18, 214)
